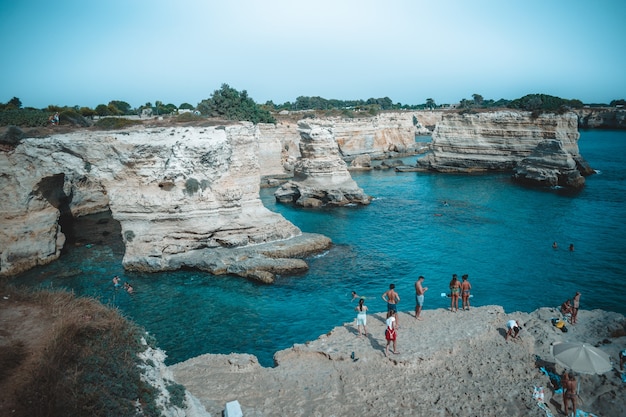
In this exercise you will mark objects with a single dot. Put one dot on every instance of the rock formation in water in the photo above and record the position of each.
(601, 118)
(184, 197)
(321, 177)
(549, 165)
(498, 141)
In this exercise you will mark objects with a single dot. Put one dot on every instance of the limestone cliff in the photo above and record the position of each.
(498, 140)
(382, 136)
(278, 148)
(321, 177)
(184, 197)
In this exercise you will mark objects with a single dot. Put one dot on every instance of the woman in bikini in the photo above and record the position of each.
(465, 292)
(569, 392)
(575, 306)
(455, 291)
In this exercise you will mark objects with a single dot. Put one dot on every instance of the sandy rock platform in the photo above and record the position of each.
(449, 364)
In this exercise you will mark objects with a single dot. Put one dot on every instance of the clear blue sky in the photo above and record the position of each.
(77, 52)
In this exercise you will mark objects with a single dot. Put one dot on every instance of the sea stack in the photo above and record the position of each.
(321, 177)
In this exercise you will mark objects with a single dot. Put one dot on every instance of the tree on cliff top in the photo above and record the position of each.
(544, 103)
(234, 105)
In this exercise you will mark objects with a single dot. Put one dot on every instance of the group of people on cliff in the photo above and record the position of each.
(458, 290)
(461, 290)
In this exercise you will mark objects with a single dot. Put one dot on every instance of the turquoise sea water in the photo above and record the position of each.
(499, 233)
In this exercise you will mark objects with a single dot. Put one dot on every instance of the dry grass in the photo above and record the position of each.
(62, 355)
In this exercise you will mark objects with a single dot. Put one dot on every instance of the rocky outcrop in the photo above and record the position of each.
(602, 118)
(498, 141)
(184, 197)
(549, 165)
(321, 177)
(333, 374)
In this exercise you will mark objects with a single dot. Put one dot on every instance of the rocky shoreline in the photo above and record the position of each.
(450, 364)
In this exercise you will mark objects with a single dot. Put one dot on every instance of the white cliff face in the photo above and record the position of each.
(278, 148)
(382, 136)
(495, 140)
(321, 177)
(378, 136)
(180, 194)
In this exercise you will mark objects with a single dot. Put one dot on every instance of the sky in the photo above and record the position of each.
(85, 53)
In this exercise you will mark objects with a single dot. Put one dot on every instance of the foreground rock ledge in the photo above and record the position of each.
(450, 364)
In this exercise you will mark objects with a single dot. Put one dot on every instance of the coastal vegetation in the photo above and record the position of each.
(73, 356)
(228, 103)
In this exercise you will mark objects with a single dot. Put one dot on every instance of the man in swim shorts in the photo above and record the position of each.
(392, 298)
(419, 296)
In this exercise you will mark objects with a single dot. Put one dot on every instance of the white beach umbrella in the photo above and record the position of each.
(581, 358)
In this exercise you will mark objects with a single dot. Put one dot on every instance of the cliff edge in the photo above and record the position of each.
(184, 197)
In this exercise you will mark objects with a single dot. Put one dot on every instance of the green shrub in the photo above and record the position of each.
(192, 186)
(188, 117)
(177, 394)
(24, 118)
(110, 123)
(129, 235)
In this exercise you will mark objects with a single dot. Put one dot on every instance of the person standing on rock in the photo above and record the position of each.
(419, 296)
(465, 292)
(391, 333)
(361, 316)
(569, 391)
(392, 298)
(455, 291)
(575, 306)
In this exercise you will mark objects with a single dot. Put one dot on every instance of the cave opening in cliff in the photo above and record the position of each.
(99, 228)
